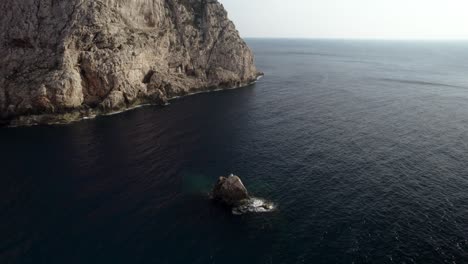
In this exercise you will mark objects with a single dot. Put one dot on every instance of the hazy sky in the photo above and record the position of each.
(388, 19)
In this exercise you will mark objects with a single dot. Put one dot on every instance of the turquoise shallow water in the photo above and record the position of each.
(362, 145)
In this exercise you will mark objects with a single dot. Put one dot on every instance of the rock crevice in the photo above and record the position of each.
(64, 60)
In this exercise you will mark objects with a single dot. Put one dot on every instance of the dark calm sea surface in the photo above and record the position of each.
(363, 146)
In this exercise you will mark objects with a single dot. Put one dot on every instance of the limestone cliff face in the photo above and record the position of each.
(66, 59)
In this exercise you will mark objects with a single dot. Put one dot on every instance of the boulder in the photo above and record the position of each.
(230, 191)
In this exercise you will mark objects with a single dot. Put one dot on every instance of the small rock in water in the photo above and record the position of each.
(232, 192)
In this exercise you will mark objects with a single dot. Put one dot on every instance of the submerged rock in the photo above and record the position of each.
(231, 192)
(253, 205)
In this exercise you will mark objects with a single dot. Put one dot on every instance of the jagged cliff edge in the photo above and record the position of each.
(66, 60)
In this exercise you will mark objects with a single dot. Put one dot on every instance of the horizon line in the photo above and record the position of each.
(353, 38)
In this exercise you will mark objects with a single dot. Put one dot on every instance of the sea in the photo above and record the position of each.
(362, 145)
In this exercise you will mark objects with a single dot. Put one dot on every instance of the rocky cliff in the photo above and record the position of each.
(67, 59)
